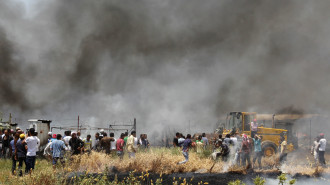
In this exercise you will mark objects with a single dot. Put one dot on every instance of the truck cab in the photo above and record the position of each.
(240, 123)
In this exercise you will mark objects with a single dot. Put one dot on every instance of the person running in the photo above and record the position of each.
(257, 150)
(20, 154)
(314, 149)
(120, 146)
(33, 144)
(130, 145)
(88, 144)
(76, 144)
(57, 147)
(245, 151)
(323, 143)
(181, 140)
(185, 149)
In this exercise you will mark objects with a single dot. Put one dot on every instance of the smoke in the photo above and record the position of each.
(164, 62)
(11, 78)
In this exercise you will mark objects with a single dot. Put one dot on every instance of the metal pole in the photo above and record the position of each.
(310, 132)
(78, 124)
(9, 118)
(134, 126)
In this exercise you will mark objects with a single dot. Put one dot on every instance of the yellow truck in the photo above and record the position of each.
(239, 122)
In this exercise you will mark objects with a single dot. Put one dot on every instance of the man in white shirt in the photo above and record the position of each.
(323, 143)
(113, 149)
(32, 144)
(130, 145)
(66, 139)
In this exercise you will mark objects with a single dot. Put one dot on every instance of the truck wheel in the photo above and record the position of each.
(269, 149)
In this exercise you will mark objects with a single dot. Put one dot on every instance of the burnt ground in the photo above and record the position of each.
(215, 178)
(298, 156)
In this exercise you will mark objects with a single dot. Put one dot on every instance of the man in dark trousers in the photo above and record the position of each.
(6, 143)
(32, 143)
(185, 149)
(322, 145)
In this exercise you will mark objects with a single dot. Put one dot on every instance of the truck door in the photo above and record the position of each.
(246, 121)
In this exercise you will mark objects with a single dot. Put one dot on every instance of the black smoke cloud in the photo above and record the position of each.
(167, 62)
(11, 78)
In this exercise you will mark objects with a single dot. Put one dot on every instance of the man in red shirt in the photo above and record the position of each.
(245, 151)
(120, 146)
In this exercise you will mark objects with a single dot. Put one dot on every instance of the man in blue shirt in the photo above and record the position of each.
(185, 148)
(57, 148)
(205, 140)
(12, 152)
(257, 149)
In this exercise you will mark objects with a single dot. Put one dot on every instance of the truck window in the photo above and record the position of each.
(247, 121)
(235, 121)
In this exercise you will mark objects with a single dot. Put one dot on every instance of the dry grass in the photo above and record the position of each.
(164, 161)
(161, 161)
(156, 160)
(43, 174)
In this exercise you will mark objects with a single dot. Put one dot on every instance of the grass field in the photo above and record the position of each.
(155, 160)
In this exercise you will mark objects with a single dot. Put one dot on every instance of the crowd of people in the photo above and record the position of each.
(240, 149)
(235, 148)
(20, 148)
(23, 149)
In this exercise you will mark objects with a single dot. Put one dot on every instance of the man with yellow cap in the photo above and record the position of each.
(20, 153)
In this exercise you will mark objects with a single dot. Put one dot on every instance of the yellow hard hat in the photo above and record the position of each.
(22, 136)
